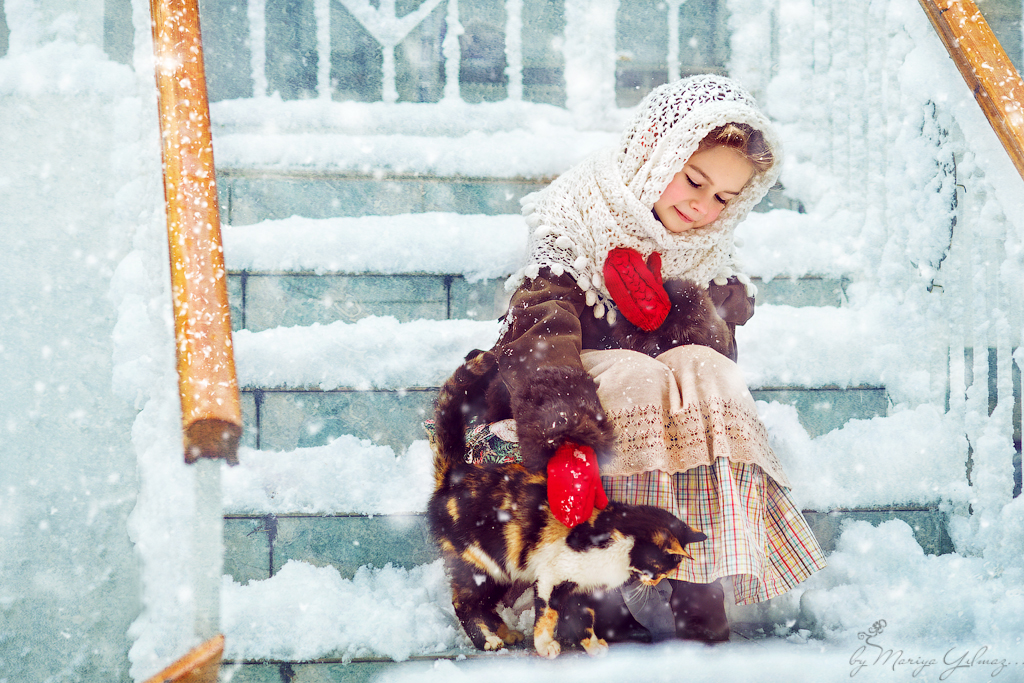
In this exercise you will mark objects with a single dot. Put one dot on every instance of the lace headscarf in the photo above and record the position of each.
(606, 201)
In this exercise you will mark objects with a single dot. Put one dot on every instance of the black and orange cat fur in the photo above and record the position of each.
(494, 528)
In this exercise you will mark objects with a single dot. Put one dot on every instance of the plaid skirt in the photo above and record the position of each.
(756, 534)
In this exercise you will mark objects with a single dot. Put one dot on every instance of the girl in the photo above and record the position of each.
(682, 428)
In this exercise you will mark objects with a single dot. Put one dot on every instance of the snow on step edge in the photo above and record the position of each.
(781, 346)
(372, 353)
(475, 246)
(778, 243)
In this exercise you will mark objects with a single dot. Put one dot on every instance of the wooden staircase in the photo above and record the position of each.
(275, 308)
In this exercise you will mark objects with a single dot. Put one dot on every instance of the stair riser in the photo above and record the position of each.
(286, 420)
(256, 547)
(318, 672)
(248, 199)
(265, 301)
(262, 301)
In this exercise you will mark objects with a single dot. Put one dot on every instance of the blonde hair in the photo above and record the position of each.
(745, 139)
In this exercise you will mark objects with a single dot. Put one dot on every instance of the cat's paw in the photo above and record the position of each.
(547, 646)
(493, 642)
(509, 636)
(595, 647)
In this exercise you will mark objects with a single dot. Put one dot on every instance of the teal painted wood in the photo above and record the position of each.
(262, 301)
(288, 419)
(348, 542)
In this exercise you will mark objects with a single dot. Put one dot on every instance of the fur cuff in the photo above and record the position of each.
(560, 404)
(692, 320)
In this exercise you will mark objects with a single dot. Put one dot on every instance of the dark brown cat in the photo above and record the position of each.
(494, 528)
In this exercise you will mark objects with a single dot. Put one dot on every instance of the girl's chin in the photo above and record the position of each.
(680, 229)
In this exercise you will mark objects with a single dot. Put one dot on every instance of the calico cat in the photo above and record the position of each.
(494, 528)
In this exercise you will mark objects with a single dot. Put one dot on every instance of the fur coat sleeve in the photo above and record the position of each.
(552, 398)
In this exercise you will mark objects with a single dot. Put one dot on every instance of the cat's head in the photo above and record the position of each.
(659, 538)
(659, 544)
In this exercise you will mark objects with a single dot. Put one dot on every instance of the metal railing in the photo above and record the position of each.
(584, 54)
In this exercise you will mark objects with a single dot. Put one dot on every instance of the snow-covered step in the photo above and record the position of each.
(264, 300)
(442, 177)
(317, 538)
(375, 378)
(299, 271)
(249, 198)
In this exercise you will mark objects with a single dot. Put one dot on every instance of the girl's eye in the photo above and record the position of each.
(692, 184)
(721, 201)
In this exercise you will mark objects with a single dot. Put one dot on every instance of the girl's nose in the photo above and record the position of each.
(698, 205)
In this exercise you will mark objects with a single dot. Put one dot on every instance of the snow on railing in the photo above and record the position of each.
(985, 67)
(588, 47)
(886, 140)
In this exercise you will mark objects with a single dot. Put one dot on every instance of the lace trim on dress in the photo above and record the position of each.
(649, 438)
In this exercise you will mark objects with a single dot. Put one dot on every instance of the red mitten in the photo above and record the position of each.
(636, 287)
(574, 484)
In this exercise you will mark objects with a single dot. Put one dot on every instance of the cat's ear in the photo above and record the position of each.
(687, 534)
(694, 536)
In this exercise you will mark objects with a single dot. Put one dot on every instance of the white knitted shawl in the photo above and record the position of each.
(606, 201)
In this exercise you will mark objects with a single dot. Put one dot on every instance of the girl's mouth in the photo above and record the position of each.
(684, 216)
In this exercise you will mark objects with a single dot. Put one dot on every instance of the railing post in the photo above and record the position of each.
(452, 53)
(673, 39)
(590, 58)
(256, 12)
(514, 49)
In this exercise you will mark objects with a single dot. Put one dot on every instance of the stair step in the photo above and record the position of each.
(316, 596)
(262, 301)
(250, 195)
(247, 199)
(289, 419)
(257, 546)
(299, 271)
(360, 670)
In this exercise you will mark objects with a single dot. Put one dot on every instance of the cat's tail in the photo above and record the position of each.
(450, 409)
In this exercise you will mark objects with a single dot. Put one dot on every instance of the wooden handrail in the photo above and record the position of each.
(207, 384)
(985, 67)
(200, 665)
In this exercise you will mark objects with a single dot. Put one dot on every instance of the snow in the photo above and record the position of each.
(306, 480)
(894, 332)
(388, 611)
(421, 353)
(408, 243)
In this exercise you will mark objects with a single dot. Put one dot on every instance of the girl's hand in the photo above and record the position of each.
(574, 484)
(636, 287)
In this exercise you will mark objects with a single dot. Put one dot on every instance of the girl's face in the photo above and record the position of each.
(699, 192)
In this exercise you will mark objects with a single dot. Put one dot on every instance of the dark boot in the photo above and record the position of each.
(699, 610)
(613, 620)
(650, 606)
